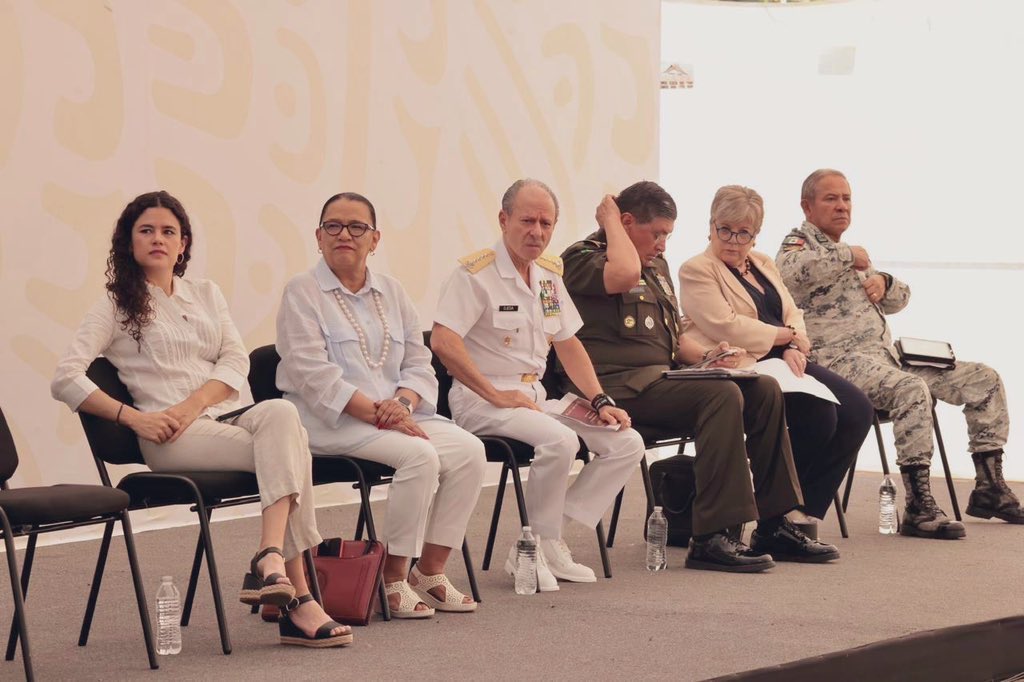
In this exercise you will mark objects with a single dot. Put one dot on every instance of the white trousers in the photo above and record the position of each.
(267, 440)
(555, 444)
(435, 487)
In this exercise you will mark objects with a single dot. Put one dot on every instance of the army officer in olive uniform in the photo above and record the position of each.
(621, 286)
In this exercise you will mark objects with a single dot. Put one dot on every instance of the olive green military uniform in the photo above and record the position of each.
(852, 338)
(631, 339)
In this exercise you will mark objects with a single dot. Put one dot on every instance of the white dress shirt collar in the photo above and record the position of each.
(328, 281)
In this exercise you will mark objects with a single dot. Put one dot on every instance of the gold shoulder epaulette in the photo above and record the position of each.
(475, 262)
(552, 263)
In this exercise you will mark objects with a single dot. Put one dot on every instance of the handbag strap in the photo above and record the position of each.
(686, 505)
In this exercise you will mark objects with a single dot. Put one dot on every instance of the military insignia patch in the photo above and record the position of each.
(475, 262)
(549, 298)
(793, 243)
(649, 322)
(629, 321)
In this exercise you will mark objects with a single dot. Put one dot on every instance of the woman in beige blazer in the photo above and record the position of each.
(734, 294)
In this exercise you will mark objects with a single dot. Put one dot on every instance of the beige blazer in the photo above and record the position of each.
(717, 308)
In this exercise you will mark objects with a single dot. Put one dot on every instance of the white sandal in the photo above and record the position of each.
(407, 601)
(453, 599)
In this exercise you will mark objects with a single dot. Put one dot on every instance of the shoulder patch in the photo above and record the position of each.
(552, 263)
(793, 243)
(475, 262)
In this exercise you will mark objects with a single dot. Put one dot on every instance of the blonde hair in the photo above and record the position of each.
(735, 203)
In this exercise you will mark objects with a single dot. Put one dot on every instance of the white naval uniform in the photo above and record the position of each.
(437, 481)
(507, 332)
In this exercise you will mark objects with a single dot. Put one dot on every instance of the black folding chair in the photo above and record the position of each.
(883, 417)
(205, 491)
(34, 511)
(512, 454)
(363, 474)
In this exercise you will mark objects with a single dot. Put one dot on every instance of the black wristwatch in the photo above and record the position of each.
(601, 400)
(405, 402)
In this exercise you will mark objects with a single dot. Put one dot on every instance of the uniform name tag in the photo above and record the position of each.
(508, 308)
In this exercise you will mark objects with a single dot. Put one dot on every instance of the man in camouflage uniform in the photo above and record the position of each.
(845, 301)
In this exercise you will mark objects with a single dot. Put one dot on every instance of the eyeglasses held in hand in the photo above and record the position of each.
(725, 234)
(355, 229)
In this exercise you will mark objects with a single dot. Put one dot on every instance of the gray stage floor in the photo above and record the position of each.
(678, 624)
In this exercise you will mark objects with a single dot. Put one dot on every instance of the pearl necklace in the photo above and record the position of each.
(363, 348)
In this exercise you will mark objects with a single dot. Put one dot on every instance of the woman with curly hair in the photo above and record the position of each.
(179, 354)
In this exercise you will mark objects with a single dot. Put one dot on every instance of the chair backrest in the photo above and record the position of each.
(8, 453)
(110, 442)
(444, 379)
(263, 363)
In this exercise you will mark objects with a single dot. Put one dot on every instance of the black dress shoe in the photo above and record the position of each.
(722, 553)
(788, 543)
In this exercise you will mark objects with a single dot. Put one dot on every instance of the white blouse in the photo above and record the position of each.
(322, 365)
(190, 340)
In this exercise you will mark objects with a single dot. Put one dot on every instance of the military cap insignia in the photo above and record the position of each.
(475, 262)
(552, 263)
(793, 243)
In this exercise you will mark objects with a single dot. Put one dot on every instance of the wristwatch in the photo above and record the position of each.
(600, 400)
(406, 403)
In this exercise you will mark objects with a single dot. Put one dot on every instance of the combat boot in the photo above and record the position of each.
(922, 516)
(991, 495)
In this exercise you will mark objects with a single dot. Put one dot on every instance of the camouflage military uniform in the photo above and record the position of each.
(851, 337)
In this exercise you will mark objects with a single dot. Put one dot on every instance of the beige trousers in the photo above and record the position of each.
(267, 440)
(435, 487)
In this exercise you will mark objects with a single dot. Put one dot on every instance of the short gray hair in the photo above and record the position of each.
(810, 185)
(734, 203)
(508, 200)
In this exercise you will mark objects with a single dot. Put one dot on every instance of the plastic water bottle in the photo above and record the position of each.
(887, 507)
(526, 563)
(657, 537)
(168, 617)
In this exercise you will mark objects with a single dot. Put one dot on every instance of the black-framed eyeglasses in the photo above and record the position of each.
(725, 234)
(355, 229)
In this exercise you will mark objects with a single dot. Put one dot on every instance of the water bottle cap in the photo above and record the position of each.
(657, 508)
(166, 579)
(526, 529)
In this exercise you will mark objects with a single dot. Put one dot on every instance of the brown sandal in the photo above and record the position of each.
(258, 589)
(292, 634)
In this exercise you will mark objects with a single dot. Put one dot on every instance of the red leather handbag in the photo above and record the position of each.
(349, 573)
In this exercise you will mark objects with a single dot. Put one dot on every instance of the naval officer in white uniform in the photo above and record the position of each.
(499, 313)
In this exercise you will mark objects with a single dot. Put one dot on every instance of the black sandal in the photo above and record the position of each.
(292, 634)
(266, 589)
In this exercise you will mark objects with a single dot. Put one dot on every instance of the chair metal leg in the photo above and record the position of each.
(366, 513)
(604, 551)
(140, 590)
(495, 515)
(18, 597)
(314, 584)
(211, 567)
(26, 573)
(359, 524)
(841, 516)
(193, 581)
(881, 446)
(517, 485)
(645, 475)
(615, 517)
(470, 573)
(945, 465)
(97, 578)
(849, 482)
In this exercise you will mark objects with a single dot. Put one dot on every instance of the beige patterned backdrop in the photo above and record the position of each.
(253, 113)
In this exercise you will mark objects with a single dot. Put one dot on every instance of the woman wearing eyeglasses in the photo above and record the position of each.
(734, 294)
(354, 364)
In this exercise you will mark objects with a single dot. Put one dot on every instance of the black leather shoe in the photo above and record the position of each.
(787, 543)
(722, 553)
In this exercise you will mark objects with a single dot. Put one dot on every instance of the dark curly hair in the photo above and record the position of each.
(126, 280)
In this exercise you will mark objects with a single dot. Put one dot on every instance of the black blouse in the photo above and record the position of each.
(768, 304)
